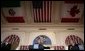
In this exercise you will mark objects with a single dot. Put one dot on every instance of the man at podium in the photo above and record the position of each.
(39, 44)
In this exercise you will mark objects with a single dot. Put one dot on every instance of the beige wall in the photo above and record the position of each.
(27, 35)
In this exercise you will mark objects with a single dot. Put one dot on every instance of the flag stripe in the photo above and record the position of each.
(43, 11)
(46, 10)
(10, 39)
(14, 39)
(37, 16)
(40, 15)
(34, 15)
(50, 9)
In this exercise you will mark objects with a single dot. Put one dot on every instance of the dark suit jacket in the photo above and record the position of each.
(41, 47)
(75, 47)
(5, 47)
(8, 47)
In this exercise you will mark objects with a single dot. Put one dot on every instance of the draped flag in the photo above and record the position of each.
(75, 39)
(13, 40)
(71, 12)
(12, 11)
(24, 47)
(59, 48)
(42, 11)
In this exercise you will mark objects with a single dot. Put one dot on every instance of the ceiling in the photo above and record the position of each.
(26, 13)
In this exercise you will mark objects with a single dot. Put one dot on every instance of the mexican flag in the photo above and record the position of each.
(12, 11)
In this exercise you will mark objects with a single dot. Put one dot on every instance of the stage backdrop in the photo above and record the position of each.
(50, 35)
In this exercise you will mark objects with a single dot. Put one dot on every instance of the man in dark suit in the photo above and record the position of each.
(5, 46)
(8, 46)
(42, 47)
(73, 46)
(40, 43)
(38, 47)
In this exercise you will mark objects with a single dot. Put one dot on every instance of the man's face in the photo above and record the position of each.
(41, 40)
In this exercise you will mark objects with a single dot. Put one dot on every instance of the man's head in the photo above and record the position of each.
(41, 40)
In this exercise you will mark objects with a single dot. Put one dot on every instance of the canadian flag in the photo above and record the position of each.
(71, 12)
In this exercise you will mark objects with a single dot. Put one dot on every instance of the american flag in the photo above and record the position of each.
(42, 11)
